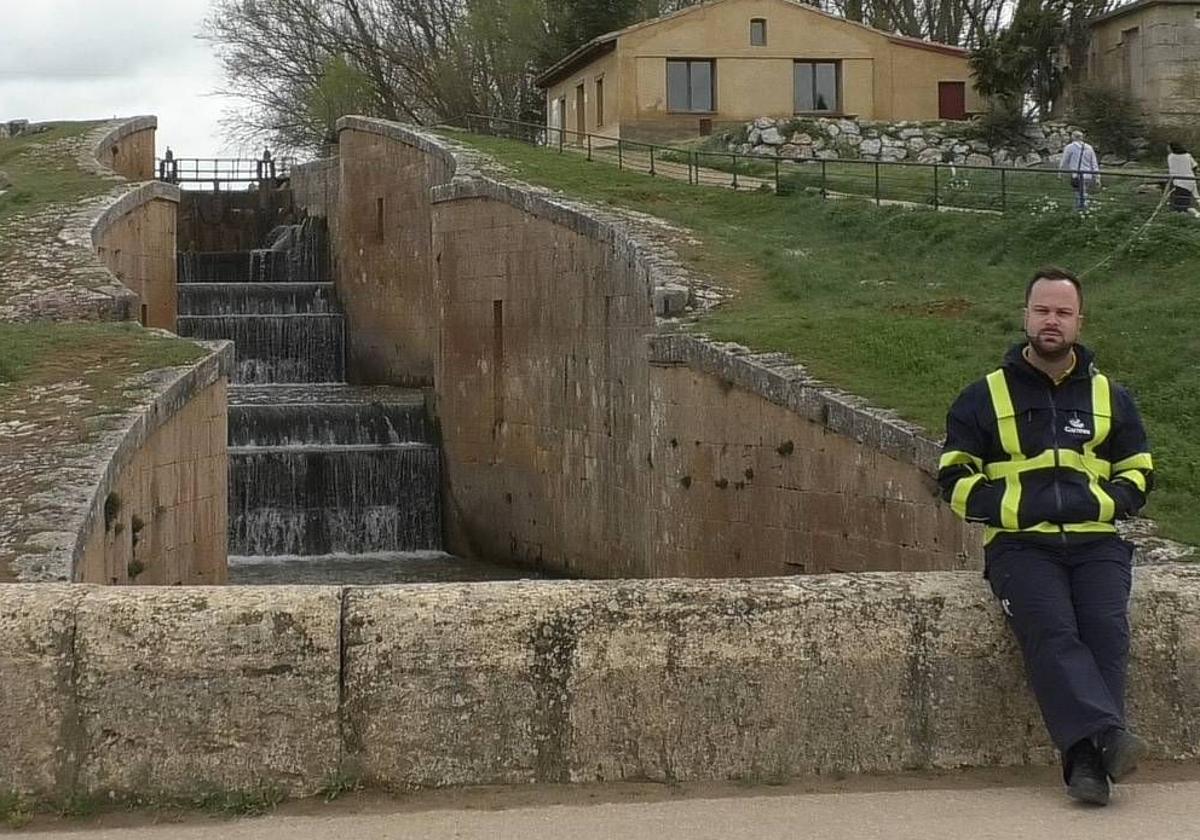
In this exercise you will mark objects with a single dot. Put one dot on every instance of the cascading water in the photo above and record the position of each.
(327, 481)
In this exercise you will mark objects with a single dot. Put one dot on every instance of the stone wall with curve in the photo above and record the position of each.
(138, 494)
(578, 435)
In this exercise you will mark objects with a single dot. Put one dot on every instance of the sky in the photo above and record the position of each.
(94, 59)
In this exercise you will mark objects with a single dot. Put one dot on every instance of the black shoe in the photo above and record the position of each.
(1086, 778)
(1120, 752)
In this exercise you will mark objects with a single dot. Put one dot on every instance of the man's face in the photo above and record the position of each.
(1052, 318)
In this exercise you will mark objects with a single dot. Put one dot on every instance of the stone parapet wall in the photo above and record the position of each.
(135, 239)
(163, 692)
(571, 440)
(384, 262)
(128, 148)
(787, 471)
(139, 495)
(150, 487)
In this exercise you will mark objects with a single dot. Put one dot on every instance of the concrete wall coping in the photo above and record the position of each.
(161, 691)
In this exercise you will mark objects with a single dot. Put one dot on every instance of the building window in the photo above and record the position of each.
(600, 101)
(816, 86)
(690, 85)
(758, 32)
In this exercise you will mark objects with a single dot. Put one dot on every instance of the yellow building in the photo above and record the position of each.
(1151, 50)
(729, 61)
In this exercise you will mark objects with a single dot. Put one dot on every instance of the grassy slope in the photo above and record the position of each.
(905, 307)
(44, 172)
(39, 179)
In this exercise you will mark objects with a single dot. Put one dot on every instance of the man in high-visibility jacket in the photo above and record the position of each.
(1047, 452)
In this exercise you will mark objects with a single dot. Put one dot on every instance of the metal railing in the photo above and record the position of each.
(937, 185)
(213, 172)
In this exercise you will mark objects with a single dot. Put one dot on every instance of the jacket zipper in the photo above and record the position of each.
(1062, 532)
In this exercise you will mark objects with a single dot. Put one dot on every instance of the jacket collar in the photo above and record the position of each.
(1015, 361)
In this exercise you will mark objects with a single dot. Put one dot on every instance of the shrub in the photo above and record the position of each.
(1109, 117)
(1003, 124)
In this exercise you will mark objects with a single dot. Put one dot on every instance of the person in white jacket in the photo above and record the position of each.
(1079, 160)
(1181, 166)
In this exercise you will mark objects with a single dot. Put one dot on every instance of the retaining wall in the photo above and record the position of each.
(172, 691)
(141, 498)
(570, 442)
(135, 239)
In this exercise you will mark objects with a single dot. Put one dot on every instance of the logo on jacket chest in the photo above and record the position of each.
(1075, 426)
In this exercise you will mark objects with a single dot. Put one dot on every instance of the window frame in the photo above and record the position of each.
(763, 42)
(837, 85)
(712, 80)
(598, 91)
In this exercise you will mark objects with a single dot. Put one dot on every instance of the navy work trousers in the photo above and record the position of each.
(1068, 606)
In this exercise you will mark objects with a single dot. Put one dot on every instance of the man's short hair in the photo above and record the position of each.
(1076, 135)
(1054, 272)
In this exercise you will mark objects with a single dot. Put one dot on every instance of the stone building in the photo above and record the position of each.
(1150, 49)
(724, 62)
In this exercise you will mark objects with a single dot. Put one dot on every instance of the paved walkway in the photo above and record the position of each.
(1163, 807)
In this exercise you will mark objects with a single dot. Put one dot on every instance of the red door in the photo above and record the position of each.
(952, 100)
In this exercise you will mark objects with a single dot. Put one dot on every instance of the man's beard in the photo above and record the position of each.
(1049, 353)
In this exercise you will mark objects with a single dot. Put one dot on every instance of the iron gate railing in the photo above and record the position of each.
(937, 185)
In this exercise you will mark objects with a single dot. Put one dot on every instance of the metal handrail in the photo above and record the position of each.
(553, 136)
(217, 171)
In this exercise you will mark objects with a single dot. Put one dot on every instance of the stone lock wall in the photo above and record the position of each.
(135, 239)
(384, 259)
(569, 443)
(129, 149)
(165, 519)
(142, 498)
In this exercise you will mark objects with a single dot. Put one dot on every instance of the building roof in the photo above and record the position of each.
(606, 43)
(1130, 8)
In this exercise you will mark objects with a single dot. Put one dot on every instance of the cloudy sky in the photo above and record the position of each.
(90, 59)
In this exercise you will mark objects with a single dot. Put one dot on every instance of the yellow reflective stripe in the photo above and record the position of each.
(1092, 465)
(1140, 461)
(1004, 469)
(990, 532)
(1101, 412)
(1010, 502)
(1090, 528)
(1134, 477)
(1006, 422)
(962, 491)
(1102, 422)
(1108, 508)
(954, 457)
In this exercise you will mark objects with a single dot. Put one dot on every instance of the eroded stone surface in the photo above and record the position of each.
(180, 689)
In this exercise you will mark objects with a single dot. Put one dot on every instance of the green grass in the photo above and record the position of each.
(904, 307)
(39, 177)
(105, 355)
(15, 811)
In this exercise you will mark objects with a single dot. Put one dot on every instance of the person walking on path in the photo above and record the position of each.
(1181, 166)
(1079, 159)
(1047, 452)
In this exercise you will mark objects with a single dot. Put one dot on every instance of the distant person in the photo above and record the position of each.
(1181, 166)
(1079, 159)
(1047, 452)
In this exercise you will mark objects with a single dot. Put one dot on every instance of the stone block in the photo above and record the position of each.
(481, 704)
(39, 728)
(183, 689)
